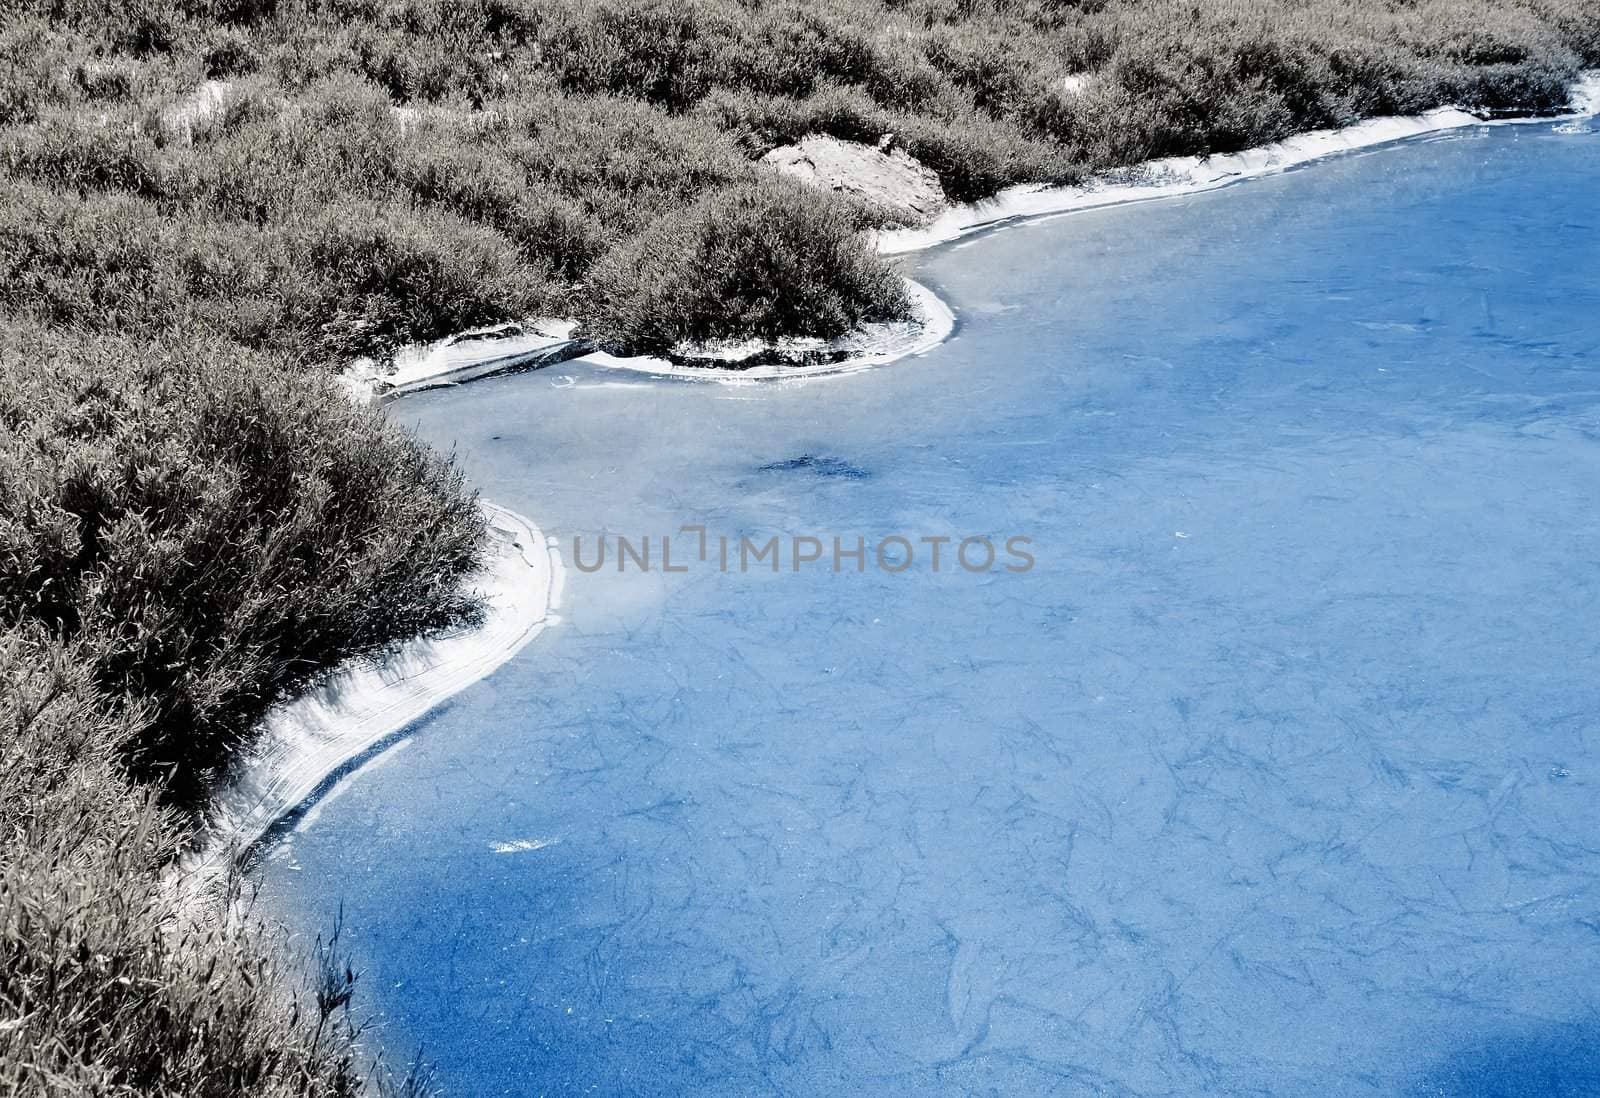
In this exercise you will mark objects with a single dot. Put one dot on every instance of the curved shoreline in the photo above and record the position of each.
(308, 744)
(877, 346)
(509, 349)
(1179, 176)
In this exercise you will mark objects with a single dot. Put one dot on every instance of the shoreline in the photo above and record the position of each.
(308, 744)
(876, 345)
(1176, 177)
(511, 348)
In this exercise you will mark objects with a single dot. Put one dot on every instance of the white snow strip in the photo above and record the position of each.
(306, 742)
(1186, 175)
(466, 356)
(871, 345)
(377, 759)
(487, 351)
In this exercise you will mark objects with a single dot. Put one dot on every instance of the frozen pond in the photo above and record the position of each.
(1279, 772)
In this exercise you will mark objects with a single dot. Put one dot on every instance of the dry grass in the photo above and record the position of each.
(185, 537)
(384, 172)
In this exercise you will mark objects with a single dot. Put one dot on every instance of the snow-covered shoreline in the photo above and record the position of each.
(874, 345)
(1176, 176)
(307, 743)
(512, 348)
(467, 356)
(507, 348)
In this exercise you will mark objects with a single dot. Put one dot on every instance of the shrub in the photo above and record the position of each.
(995, 71)
(656, 50)
(375, 278)
(102, 989)
(484, 186)
(540, 135)
(36, 70)
(761, 261)
(624, 162)
(106, 260)
(83, 156)
(973, 154)
(212, 533)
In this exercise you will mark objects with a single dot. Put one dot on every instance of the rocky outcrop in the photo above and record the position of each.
(195, 110)
(884, 176)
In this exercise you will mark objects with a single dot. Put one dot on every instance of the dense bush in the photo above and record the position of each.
(210, 532)
(353, 278)
(102, 989)
(188, 533)
(756, 261)
(515, 150)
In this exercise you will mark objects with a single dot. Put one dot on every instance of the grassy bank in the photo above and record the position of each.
(187, 534)
(102, 991)
(362, 173)
(207, 204)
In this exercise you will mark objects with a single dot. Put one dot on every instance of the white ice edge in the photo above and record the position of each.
(1177, 176)
(306, 742)
(468, 356)
(871, 346)
(463, 357)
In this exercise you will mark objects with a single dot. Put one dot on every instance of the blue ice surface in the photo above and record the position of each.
(1277, 774)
